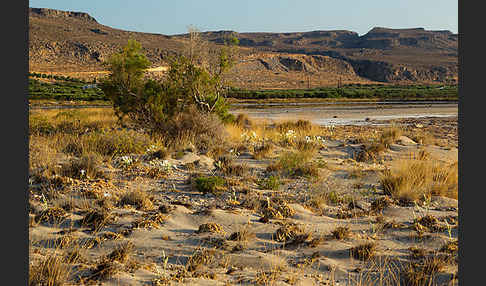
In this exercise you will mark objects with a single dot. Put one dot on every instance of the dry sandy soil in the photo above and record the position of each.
(169, 246)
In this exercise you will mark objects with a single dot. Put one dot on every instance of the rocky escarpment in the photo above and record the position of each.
(52, 13)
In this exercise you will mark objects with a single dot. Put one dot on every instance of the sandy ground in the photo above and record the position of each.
(161, 253)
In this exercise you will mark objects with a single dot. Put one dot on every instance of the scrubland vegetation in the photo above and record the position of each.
(168, 187)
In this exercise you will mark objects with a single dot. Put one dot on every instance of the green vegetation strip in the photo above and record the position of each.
(67, 88)
(356, 91)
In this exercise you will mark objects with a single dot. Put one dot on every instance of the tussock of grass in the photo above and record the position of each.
(412, 180)
(300, 125)
(121, 253)
(88, 166)
(243, 120)
(270, 183)
(424, 271)
(288, 232)
(364, 251)
(96, 219)
(370, 152)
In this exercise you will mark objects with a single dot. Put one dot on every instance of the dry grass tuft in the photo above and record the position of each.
(341, 232)
(370, 152)
(96, 219)
(423, 272)
(379, 204)
(390, 136)
(150, 221)
(199, 258)
(121, 253)
(138, 199)
(52, 215)
(289, 232)
(210, 227)
(364, 251)
(51, 270)
(243, 120)
(262, 152)
(412, 180)
(428, 223)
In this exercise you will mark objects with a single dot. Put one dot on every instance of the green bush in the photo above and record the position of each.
(214, 185)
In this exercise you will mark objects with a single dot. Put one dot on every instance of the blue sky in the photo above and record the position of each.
(174, 16)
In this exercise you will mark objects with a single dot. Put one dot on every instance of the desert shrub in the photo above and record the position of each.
(214, 185)
(153, 104)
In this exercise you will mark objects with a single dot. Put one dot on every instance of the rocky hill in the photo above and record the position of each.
(74, 42)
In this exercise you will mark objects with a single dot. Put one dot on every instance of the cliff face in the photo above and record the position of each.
(51, 13)
(75, 41)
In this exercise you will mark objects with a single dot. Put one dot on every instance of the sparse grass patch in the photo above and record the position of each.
(428, 223)
(88, 166)
(300, 125)
(295, 164)
(370, 151)
(244, 234)
(243, 120)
